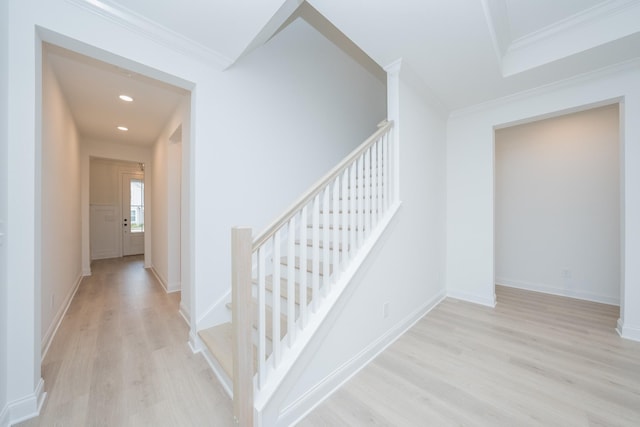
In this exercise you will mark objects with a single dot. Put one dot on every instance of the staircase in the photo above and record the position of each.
(286, 279)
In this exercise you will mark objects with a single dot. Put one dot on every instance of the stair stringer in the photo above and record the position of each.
(216, 314)
(268, 403)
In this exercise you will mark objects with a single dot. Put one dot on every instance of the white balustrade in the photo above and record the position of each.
(309, 247)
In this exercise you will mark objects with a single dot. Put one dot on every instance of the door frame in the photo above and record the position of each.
(124, 174)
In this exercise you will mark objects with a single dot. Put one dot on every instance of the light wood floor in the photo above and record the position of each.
(534, 360)
(120, 358)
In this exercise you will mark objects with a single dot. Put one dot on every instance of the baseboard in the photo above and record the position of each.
(545, 289)
(174, 287)
(105, 255)
(628, 332)
(184, 313)
(474, 298)
(216, 314)
(86, 273)
(159, 278)
(47, 339)
(306, 403)
(194, 343)
(225, 381)
(4, 416)
(28, 407)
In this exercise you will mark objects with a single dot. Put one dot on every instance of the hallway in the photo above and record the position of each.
(120, 358)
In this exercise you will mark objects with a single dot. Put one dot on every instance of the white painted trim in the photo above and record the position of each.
(305, 336)
(174, 287)
(301, 407)
(474, 298)
(47, 339)
(29, 406)
(548, 88)
(194, 343)
(160, 34)
(546, 289)
(86, 272)
(225, 380)
(4, 416)
(216, 314)
(184, 313)
(167, 289)
(581, 19)
(628, 332)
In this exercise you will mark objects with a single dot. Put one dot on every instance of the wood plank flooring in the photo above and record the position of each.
(120, 358)
(534, 360)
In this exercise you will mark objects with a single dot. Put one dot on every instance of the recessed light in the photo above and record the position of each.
(126, 98)
(122, 128)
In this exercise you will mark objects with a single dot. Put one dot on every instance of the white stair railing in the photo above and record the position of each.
(293, 265)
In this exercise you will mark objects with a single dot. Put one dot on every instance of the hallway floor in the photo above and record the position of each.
(121, 358)
(533, 360)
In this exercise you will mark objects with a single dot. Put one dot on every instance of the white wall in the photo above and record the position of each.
(101, 163)
(470, 186)
(557, 212)
(105, 199)
(60, 238)
(287, 113)
(405, 270)
(240, 119)
(4, 107)
(166, 202)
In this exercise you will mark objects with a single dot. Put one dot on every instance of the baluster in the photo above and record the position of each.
(353, 199)
(367, 192)
(262, 317)
(379, 178)
(291, 281)
(335, 241)
(374, 184)
(326, 236)
(359, 212)
(345, 218)
(275, 298)
(303, 277)
(315, 256)
(387, 172)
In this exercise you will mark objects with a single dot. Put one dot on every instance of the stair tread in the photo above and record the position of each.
(285, 261)
(321, 244)
(219, 341)
(284, 291)
(269, 320)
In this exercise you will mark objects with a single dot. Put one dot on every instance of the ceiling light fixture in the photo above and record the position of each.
(122, 128)
(126, 98)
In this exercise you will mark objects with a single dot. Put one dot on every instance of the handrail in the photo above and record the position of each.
(319, 186)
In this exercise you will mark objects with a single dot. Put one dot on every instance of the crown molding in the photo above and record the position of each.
(600, 24)
(584, 18)
(632, 64)
(152, 30)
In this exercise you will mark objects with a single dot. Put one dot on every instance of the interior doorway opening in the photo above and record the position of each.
(558, 208)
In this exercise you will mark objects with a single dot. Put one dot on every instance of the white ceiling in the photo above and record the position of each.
(91, 89)
(526, 17)
(460, 52)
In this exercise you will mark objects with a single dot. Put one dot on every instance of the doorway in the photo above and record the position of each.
(132, 214)
(558, 205)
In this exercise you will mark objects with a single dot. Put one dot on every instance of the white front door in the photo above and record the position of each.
(132, 214)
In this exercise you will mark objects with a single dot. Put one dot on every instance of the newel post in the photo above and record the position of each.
(241, 247)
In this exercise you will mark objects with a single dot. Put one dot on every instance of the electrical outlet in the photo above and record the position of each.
(385, 310)
(566, 274)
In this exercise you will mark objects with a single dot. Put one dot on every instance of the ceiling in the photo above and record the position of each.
(459, 52)
(92, 88)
